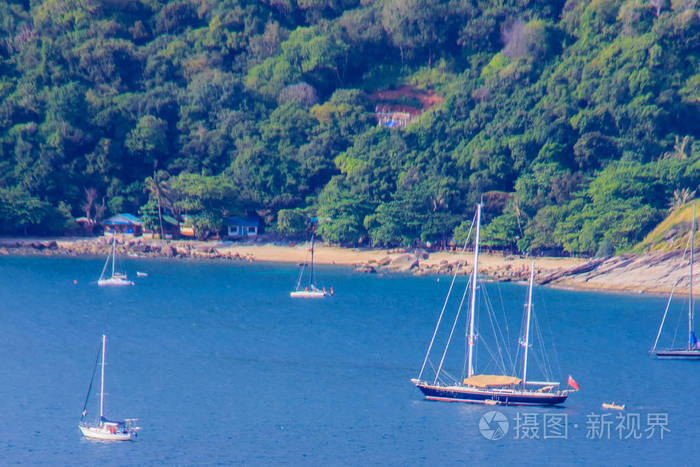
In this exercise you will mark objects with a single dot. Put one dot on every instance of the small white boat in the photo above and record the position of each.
(313, 293)
(310, 290)
(613, 406)
(117, 278)
(141, 274)
(111, 431)
(104, 429)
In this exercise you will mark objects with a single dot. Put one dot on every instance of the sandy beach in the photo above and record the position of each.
(356, 257)
(397, 260)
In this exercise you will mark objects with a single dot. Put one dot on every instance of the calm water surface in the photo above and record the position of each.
(222, 367)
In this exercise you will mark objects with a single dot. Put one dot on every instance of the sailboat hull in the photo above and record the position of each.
(683, 354)
(114, 282)
(103, 433)
(489, 396)
(309, 294)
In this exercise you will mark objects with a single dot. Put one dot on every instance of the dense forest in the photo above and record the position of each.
(577, 122)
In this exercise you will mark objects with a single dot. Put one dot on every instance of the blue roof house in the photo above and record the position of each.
(123, 224)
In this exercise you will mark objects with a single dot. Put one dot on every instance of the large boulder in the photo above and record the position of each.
(403, 263)
(422, 254)
(366, 268)
(168, 251)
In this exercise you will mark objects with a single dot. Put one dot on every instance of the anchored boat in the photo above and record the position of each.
(613, 406)
(490, 389)
(691, 349)
(103, 428)
(117, 278)
(310, 290)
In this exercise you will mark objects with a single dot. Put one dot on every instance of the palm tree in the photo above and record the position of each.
(90, 197)
(680, 148)
(680, 197)
(158, 187)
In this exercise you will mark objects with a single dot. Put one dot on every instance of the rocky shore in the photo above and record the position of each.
(646, 273)
(102, 246)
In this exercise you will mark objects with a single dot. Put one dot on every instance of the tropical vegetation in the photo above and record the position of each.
(575, 121)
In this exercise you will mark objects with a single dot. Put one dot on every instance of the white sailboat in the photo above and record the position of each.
(117, 278)
(490, 389)
(691, 350)
(103, 428)
(310, 290)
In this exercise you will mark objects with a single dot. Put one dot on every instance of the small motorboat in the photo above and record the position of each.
(613, 406)
(141, 274)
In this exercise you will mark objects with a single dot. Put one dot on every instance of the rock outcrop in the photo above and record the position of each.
(403, 263)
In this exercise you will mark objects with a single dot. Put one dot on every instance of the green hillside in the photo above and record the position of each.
(576, 120)
(672, 232)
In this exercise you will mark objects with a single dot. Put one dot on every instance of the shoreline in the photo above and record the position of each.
(650, 273)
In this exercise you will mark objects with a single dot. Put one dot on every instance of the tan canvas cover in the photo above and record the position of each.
(483, 381)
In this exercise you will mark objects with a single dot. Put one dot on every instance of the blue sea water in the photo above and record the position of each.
(222, 367)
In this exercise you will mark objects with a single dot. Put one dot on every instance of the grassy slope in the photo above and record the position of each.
(672, 232)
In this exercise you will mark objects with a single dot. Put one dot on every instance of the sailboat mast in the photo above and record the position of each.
(114, 251)
(690, 298)
(471, 340)
(311, 279)
(102, 377)
(526, 342)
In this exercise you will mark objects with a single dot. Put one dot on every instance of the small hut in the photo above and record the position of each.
(243, 227)
(124, 224)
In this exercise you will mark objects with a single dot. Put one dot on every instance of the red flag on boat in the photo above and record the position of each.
(572, 382)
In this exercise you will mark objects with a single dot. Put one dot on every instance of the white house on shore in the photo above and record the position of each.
(243, 227)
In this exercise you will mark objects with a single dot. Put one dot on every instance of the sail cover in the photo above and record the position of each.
(484, 381)
(111, 422)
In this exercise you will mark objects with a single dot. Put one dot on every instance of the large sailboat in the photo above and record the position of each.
(117, 278)
(691, 349)
(491, 389)
(309, 289)
(103, 428)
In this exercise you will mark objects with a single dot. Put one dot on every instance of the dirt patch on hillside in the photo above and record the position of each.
(407, 96)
